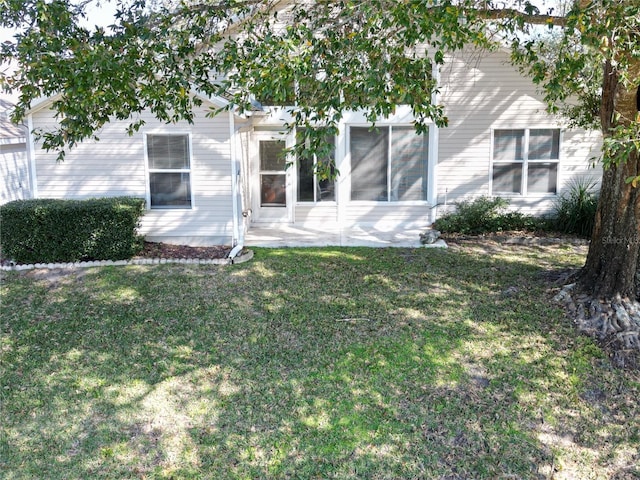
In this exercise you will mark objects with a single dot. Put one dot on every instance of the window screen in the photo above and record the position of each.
(169, 171)
(369, 159)
(408, 164)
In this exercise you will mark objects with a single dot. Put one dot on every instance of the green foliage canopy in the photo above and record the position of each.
(320, 57)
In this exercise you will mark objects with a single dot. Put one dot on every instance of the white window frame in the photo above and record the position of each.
(149, 170)
(429, 164)
(525, 162)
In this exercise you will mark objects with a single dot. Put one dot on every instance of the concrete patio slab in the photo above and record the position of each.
(353, 236)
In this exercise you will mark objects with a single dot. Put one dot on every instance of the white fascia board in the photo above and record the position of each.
(31, 155)
(42, 102)
(214, 99)
(402, 114)
(281, 115)
(273, 116)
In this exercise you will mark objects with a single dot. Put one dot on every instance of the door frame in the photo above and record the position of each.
(270, 214)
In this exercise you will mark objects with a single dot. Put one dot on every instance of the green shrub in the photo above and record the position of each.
(486, 215)
(575, 210)
(472, 217)
(46, 230)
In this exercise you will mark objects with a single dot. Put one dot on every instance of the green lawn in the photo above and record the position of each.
(310, 363)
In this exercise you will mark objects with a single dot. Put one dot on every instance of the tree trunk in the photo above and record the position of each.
(612, 261)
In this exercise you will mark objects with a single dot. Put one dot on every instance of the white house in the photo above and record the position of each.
(212, 181)
(14, 165)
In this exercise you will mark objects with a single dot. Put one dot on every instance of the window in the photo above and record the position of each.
(169, 171)
(273, 178)
(310, 187)
(388, 164)
(525, 161)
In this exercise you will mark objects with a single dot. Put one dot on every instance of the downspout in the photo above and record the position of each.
(31, 157)
(238, 226)
(434, 150)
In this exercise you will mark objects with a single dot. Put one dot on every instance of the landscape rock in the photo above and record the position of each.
(429, 236)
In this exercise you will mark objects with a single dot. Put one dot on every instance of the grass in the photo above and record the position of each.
(310, 363)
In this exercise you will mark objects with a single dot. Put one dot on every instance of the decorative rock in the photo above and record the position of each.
(511, 291)
(245, 256)
(562, 296)
(429, 236)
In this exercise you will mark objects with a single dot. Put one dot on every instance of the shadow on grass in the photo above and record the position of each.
(308, 363)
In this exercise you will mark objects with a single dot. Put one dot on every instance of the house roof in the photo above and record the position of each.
(10, 133)
(44, 102)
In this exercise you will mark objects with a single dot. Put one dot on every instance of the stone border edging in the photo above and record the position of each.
(136, 261)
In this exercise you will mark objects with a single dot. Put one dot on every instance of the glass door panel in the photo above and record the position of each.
(273, 179)
(273, 190)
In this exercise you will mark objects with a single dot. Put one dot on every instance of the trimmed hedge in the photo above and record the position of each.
(47, 230)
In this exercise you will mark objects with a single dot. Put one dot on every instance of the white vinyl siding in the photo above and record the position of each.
(14, 172)
(482, 93)
(321, 213)
(116, 165)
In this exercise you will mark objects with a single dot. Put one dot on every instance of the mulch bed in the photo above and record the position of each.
(165, 250)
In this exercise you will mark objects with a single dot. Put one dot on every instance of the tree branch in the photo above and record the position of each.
(511, 13)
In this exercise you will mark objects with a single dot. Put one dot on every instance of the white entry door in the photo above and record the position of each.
(271, 192)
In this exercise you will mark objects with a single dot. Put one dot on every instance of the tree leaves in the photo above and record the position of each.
(320, 58)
